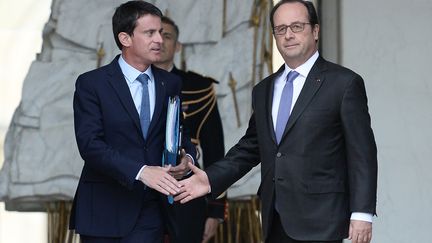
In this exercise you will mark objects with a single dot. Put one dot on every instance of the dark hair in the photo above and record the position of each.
(127, 14)
(171, 22)
(313, 16)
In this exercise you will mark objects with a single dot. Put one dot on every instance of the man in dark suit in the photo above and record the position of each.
(120, 116)
(196, 221)
(311, 131)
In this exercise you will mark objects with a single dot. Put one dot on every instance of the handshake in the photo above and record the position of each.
(167, 180)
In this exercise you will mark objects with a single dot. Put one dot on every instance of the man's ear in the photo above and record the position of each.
(316, 31)
(178, 47)
(124, 39)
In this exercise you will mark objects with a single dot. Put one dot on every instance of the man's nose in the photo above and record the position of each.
(289, 33)
(158, 38)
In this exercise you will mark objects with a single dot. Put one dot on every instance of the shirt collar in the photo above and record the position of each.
(303, 69)
(131, 73)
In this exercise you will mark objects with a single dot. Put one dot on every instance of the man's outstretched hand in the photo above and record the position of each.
(193, 187)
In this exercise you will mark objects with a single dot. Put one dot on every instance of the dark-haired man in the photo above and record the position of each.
(120, 116)
(311, 132)
(197, 220)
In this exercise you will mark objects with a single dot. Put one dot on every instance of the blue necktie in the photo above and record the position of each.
(145, 104)
(285, 105)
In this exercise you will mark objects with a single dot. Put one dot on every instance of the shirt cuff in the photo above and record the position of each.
(193, 162)
(139, 173)
(362, 216)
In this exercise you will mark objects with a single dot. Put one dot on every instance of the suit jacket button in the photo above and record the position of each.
(273, 179)
(279, 154)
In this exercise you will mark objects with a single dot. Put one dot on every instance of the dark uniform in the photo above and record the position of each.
(202, 119)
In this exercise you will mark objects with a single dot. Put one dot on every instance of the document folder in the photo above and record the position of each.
(172, 135)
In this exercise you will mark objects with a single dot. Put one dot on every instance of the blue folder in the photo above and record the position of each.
(172, 135)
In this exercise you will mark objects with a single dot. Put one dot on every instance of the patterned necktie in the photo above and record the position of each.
(285, 105)
(145, 104)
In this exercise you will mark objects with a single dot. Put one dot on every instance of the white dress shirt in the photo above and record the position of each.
(135, 87)
(298, 83)
(131, 74)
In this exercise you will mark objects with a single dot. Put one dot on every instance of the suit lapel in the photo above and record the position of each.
(118, 82)
(160, 98)
(312, 84)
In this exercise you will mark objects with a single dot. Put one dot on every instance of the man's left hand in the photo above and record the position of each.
(211, 225)
(182, 169)
(360, 231)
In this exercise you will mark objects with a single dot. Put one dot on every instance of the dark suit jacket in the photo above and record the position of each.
(108, 133)
(325, 166)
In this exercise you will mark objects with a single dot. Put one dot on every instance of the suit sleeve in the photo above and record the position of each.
(186, 143)
(239, 160)
(212, 144)
(361, 148)
(90, 132)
